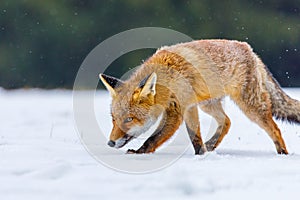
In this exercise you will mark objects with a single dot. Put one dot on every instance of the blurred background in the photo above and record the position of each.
(43, 43)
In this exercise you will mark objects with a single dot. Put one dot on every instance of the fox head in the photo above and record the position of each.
(132, 109)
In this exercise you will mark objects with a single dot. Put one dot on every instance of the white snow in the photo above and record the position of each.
(41, 157)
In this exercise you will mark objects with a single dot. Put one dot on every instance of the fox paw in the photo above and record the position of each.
(210, 148)
(131, 151)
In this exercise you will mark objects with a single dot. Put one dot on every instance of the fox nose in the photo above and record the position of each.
(111, 143)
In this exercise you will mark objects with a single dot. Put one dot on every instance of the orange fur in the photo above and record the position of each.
(178, 78)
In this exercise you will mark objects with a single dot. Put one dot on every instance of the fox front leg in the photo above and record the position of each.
(149, 141)
(192, 123)
(168, 126)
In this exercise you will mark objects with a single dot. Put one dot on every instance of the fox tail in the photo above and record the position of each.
(283, 107)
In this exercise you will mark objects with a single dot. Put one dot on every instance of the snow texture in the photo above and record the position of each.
(41, 157)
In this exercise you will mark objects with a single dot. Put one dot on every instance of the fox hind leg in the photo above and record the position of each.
(259, 110)
(214, 108)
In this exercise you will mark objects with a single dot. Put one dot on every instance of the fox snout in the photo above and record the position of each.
(118, 138)
(120, 142)
(111, 143)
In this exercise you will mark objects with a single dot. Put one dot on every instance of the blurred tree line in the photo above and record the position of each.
(43, 43)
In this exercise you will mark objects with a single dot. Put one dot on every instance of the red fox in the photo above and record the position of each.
(177, 79)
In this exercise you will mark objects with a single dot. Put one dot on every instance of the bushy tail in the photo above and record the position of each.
(283, 106)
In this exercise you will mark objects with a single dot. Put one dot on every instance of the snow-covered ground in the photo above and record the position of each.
(41, 157)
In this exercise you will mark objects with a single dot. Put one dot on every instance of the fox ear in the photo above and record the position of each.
(110, 83)
(148, 85)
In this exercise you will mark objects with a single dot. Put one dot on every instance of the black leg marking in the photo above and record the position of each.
(211, 143)
(196, 141)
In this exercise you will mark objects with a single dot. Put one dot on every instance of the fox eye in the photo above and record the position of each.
(128, 119)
